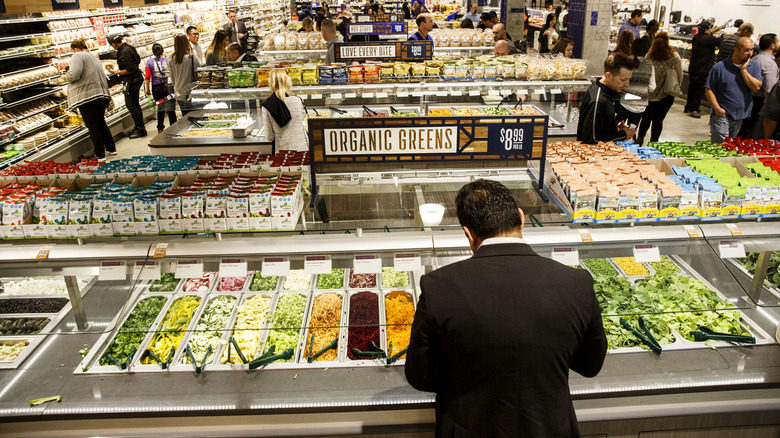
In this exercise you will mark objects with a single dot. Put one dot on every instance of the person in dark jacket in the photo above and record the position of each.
(407, 12)
(702, 60)
(597, 110)
(236, 53)
(132, 79)
(494, 339)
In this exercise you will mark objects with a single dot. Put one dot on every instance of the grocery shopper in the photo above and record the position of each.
(563, 19)
(493, 338)
(183, 67)
(564, 47)
(765, 58)
(726, 49)
(485, 22)
(193, 35)
(424, 27)
(472, 14)
(729, 90)
(499, 34)
(549, 37)
(132, 79)
(282, 114)
(632, 23)
(630, 109)
(651, 30)
(88, 92)
(466, 24)
(158, 85)
(307, 25)
(236, 53)
(597, 111)
(331, 37)
(703, 49)
(625, 41)
(502, 48)
(668, 67)
(235, 29)
(767, 125)
(215, 54)
(406, 11)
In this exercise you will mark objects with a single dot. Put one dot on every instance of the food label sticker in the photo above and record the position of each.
(317, 264)
(316, 96)
(555, 91)
(368, 95)
(522, 92)
(585, 236)
(43, 253)
(493, 93)
(147, 270)
(350, 95)
(335, 96)
(731, 249)
(403, 94)
(379, 95)
(366, 264)
(566, 256)
(646, 253)
(232, 268)
(407, 262)
(109, 271)
(734, 229)
(692, 231)
(189, 269)
(456, 93)
(442, 93)
(160, 250)
(275, 266)
(474, 93)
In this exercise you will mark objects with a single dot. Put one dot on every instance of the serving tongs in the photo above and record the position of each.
(378, 353)
(198, 367)
(312, 357)
(270, 357)
(705, 334)
(164, 364)
(646, 337)
(122, 365)
(393, 358)
(393, 110)
(370, 111)
(519, 103)
(338, 111)
(196, 121)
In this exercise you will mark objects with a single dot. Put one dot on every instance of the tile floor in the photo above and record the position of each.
(678, 127)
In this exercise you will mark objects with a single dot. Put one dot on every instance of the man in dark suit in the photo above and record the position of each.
(495, 335)
(235, 29)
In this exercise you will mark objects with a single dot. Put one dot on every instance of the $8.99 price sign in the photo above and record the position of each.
(510, 139)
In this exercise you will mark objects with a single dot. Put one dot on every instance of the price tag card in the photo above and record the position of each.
(734, 229)
(189, 269)
(522, 92)
(585, 236)
(379, 95)
(474, 93)
(275, 266)
(232, 268)
(646, 253)
(731, 249)
(566, 256)
(335, 96)
(417, 93)
(160, 250)
(317, 264)
(43, 253)
(109, 271)
(505, 92)
(147, 270)
(316, 96)
(493, 93)
(403, 94)
(456, 93)
(350, 95)
(407, 262)
(368, 95)
(555, 91)
(540, 91)
(303, 96)
(692, 231)
(442, 93)
(367, 264)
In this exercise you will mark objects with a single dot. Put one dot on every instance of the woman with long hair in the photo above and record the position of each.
(216, 53)
(88, 91)
(183, 66)
(158, 79)
(639, 86)
(625, 41)
(565, 47)
(664, 58)
(549, 37)
(282, 114)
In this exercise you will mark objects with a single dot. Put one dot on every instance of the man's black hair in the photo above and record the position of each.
(189, 28)
(487, 208)
(766, 41)
(636, 13)
(738, 22)
(484, 17)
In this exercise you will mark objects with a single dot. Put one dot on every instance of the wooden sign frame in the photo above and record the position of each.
(367, 18)
(378, 28)
(386, 51)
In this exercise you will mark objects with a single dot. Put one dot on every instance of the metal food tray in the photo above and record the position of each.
(294, 361)
(249, 276)
(376, 286)
(212, 285)
(90, 280)
(308, 289)
(178, 363)
(381, 285)
(385, 293)
(148, 286)
(767, 285)
(344, 282)
(196, 129)
(341, 346)
(632, 278)
(91, 362)
(208, 116)
(585, 267)
(32, 344)
(274, 290)
(381, 323)
(230, 327)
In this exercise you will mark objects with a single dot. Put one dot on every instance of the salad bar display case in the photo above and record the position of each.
(306, 332)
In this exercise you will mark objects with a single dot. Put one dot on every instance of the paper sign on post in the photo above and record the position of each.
(731, 249)
(275, 266)
(367, 264)
(335, 96)
(110, 271)
(367, 95)
(555, 91)
(455, 93)
(566, 256)
(232, 268)
(316, 96)
(189, 269)
(474, 93)
(493, 93)
(403, 94)
(646, 253)
(407, 262)
(319, 264)
(146, 270)
(379, 95)
(350, 95)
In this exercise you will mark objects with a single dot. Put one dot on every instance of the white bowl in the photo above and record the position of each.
(431, 214)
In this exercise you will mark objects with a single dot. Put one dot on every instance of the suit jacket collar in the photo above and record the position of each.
(503, 249)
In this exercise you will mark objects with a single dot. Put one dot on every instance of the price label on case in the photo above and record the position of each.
(159, 251)
(275, 266)
(692, 231)
(232, 268)
(335, 96)
(442, 93)
(456, 93)
(539, 91)
(303, 96)
(555, 91)
(380, 95)
(403, 94)
(585, 236)
(110, 271)
(493, 93)
(366, 264)
(417, 93)
(522, 92)
(317, 264)
(734, 229)
(407, 262)
(731, 249)
(43, 253)
(147, 270)
(189, 269)
(646, 253)
(566, 256)
(316, 96)
(350, 95)
(474, 93)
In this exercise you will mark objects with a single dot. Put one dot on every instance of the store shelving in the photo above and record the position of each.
(31, 98)
(29, 84)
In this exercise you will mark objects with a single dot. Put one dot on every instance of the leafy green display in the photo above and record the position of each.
(393, 278)
(600, 267)
(260, 283)
(772, 274)
(133, 331)
(334, 280)
(166, 283)
(665, 267)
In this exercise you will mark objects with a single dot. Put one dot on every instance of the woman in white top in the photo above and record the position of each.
(282, 114)
(664, 59)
